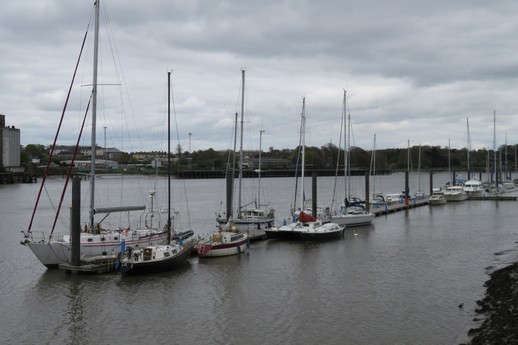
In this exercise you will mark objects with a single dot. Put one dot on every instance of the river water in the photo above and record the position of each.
(399, 281)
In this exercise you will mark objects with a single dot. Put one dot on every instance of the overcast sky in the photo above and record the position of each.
(413, 70)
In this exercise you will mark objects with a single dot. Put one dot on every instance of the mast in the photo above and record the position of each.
(303, 142)
(494, 146)
(241, 141)
(344, 119)
(94, 114)
(231, 214)
(259, 171)
(374, 164)
(169, 156)
(449, 158)
(348, 163)
(469, 146)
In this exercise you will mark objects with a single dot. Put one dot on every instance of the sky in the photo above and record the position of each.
(415, 71)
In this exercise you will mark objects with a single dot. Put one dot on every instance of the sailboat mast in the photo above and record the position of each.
(94, 114)
(169, 157)
(303, 141)
(241, 141)
(344, 119)
(348, 159)
(468, 139)
(494, 143)
(259, 172)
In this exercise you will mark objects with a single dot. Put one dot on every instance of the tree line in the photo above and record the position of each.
(325, 157)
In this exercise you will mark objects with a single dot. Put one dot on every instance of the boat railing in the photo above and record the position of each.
(43, 237)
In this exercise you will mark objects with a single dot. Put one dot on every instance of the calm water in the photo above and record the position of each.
(399, 281)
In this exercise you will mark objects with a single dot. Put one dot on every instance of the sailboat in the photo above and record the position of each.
(53, 248)
(252, 220)
(232, 236)
(473, 186)
(161, 257)
(306, 226)
(352, 211)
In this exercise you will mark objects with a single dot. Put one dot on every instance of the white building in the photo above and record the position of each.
(9, 145)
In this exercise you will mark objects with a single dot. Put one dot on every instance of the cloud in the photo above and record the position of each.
(412, 70)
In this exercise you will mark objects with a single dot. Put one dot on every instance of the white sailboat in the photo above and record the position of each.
(52, 248)
(252, 220)
(306, 226)
(353, 211)
(473, 186)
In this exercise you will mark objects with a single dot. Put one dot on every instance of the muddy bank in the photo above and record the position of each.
(498, 309)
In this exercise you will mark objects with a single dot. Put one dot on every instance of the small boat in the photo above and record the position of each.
(437, 199)
(222, 243)
(353, 216)
(473, 188)
(455, 193)
(157, 258)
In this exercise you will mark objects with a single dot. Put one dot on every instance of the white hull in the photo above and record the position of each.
(352, 219)
(474, 193)
(227, 251)
(54, 252)
(437, 200)
(254, 228)
(222, 244)
(456, 197)
(455, 193)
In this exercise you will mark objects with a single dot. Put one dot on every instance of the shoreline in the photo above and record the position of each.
(498, 309)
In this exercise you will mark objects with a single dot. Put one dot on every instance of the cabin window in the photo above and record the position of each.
(102, 239)
(116, 238)
(89, 239)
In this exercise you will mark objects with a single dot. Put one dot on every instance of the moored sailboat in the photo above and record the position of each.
(161, 257)
(53, 248)
(306, 226)
(353, 211)
(252, 220)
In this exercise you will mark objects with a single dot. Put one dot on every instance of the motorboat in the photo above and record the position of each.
(455, 193)
(473, 188)
(437, 198)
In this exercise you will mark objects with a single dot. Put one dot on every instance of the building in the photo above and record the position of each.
(9, 146)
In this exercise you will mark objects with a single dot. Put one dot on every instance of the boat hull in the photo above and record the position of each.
(276, 233)
(155, 266)
(55, 252)
(225, 249)
(350, 220)
(455, 197)
(307, 231)
(321, 236)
